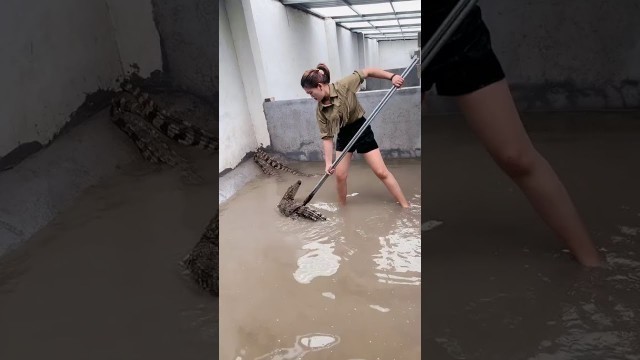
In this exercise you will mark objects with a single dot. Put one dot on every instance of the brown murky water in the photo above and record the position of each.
(498, 284)
(347, 288)
(102, 281)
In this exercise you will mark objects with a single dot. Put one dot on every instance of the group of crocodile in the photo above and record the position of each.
(152, 129)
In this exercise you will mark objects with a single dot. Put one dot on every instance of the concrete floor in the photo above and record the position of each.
(496, 283)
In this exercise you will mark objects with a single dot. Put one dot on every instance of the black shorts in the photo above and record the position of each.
(365, 143)
(466, 62)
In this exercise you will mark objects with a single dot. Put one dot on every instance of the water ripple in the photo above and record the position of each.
(399, 257)
(304, 344)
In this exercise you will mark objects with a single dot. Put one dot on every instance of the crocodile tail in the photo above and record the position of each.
(127, 127)
(310, 214)
(178, 130)
(277, 164)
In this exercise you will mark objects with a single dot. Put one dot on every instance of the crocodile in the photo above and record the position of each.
(149, 127)
(268, 164)
(181, 131)
(150, 142)
(201, 264)
(152, 130)
(294, 209)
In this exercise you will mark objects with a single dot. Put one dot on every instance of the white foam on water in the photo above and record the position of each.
(628, 230)
(329, 295)
(430, 225)
(324, 206)
(400, 253)
(303, 345)
(380, 308)
(319, 261)
(317, 341)
(453, 349)
(615, 260)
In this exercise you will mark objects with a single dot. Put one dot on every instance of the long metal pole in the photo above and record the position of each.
(434, 44)
(375, 112)
(445, 30)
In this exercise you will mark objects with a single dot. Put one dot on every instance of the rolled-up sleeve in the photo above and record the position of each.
(353, 81)
(326, 130)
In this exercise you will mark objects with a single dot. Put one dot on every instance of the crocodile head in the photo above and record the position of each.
(286, 204)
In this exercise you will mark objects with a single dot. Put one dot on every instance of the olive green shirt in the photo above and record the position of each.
(344, 108)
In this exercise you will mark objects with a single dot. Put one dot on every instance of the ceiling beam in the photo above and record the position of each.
(406, 39)
(392, 37)
(356, 28)
(376, 17)
(296, 2)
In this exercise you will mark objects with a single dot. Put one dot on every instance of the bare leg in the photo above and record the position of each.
(492, 114)
(342, 170)
(375, 161)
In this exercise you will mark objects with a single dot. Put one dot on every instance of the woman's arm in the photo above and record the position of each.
(378, 73)
(327, 145)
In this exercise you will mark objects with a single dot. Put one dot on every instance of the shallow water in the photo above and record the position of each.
(500, 285)
(346, 288)
(102, 280)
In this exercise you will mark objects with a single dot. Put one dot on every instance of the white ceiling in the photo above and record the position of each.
(376, 19)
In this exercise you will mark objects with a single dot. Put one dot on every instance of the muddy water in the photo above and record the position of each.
(347, 288)
(102, 281)
(499, 284)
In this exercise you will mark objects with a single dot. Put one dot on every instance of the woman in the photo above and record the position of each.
(467, 68)
(340, 111)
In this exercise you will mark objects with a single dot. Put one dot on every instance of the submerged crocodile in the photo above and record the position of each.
(294, 209)
(268, 164)
(149, 127)
(201, 264)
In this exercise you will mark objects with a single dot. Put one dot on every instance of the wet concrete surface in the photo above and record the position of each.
(102, 280)
(497, 283)
(346, 288)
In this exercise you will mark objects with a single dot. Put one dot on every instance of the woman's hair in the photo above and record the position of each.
(319, 75)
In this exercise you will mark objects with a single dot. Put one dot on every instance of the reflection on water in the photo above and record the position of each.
(379, 308)
(573, 314)
(399, 258)
(303, 345)
(319, 261)
(400, 254)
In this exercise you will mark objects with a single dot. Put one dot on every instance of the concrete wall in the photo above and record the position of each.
(265, 49)
(333, 56)
(50, 59)
(396, 54)
(290, 42)
(348, 50)
(189, 38)
(294, 131)
(55, 55)
(379, 84)
(569, 55)
(251, 74)
(39, 188)
(136, 34)
(372, 57)
(237, 135)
